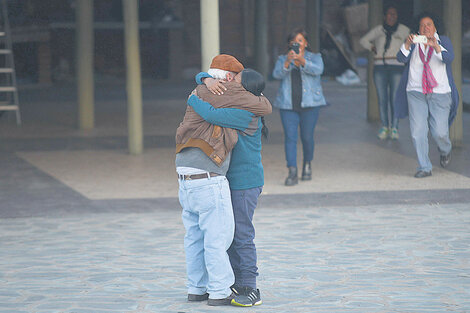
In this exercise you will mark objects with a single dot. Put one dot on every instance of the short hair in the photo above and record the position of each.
(433, 17)
(218, 73)
(253, 81)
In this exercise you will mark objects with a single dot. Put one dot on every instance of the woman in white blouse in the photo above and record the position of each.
(427, 92)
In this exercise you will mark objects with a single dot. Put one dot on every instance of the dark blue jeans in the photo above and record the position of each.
(242, 252)
(291, 120)
(386, 79)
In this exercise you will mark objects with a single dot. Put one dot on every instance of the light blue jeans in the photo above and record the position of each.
(429, 112)
(208, 220)
(386, 79)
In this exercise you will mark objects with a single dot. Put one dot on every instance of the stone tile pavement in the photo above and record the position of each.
(363, 236)
(389, 258)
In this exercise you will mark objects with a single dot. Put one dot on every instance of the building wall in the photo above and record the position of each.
(237, 28)
(173, 53)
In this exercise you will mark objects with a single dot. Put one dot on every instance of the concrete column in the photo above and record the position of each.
(44, 62)
(176, 46)
(313, 24)
(133, 79)
(261, 37)
(210, 40)
(84, 51)
(453, 26)
(375, 18)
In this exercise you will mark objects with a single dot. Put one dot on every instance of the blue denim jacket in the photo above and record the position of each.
(312, 93)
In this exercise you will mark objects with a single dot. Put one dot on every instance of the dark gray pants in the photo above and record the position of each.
(242, 252)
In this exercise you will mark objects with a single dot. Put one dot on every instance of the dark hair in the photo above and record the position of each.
(434, 18)
(253, 81)
(390, 6)
(294, 34)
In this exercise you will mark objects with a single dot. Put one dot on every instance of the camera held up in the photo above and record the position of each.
(295, 47)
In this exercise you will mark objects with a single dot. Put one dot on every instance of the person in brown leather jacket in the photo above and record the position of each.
(202, 160)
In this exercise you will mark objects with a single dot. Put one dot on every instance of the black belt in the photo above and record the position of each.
(197, 176)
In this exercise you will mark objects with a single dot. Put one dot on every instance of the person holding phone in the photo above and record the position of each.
(385, 41)
(299, 99)
(427, 91)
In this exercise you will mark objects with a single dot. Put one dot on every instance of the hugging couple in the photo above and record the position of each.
(220, 175)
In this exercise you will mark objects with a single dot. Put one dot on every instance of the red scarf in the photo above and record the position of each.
(428, 81)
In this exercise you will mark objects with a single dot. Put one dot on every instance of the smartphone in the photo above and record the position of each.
(420, 39)
(295, 47)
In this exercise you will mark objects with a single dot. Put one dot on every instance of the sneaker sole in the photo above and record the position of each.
(197, 298)
(246, 305)
(212, 303)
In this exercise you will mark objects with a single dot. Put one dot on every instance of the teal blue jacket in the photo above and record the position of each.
(246, 170)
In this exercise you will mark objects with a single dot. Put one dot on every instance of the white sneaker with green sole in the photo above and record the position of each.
(383, 133)
(394, 134)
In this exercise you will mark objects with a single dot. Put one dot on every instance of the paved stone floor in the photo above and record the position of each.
(397, 258)
(362, 236)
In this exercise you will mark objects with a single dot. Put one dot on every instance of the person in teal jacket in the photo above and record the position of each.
(246, 179)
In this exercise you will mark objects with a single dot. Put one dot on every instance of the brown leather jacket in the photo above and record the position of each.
(215, 141)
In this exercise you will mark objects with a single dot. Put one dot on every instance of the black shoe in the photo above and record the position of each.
(307, 171)
(238, 290)
(422, 174)
(252, 297)
(292, 178)
(224, 301)
(193, 297)
(445, 160)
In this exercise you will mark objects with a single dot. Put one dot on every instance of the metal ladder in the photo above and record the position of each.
(8, 89)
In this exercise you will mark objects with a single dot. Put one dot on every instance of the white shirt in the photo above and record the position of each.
(438, 68)
(184, 170)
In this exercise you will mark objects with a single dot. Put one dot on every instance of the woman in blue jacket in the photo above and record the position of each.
(299, 99)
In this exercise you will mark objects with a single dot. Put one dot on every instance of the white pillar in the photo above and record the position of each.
(133, 79)
(84, 51)
(210, 44)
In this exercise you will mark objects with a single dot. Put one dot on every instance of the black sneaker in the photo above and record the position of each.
(445, 160)
(238, 290)
(422, 174)
(224, 301)
(193, 297)
(252, 297)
